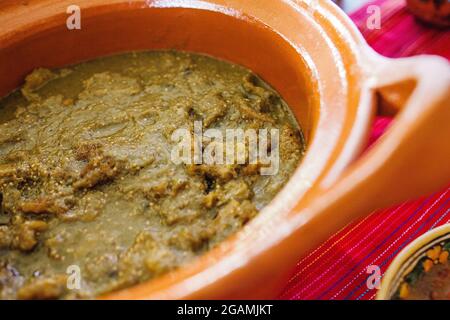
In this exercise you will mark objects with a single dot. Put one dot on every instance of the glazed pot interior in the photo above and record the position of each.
(302, 56)
(202, 31)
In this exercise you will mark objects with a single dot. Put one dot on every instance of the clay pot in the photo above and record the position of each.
(319, 62)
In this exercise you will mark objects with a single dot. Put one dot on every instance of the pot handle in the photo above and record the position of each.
(411, 159)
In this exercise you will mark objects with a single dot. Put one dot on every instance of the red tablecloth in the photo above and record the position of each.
(337, 269)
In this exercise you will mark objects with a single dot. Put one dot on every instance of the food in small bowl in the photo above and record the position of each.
(422, 270)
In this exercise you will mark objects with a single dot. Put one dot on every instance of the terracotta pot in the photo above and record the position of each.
(319, 62)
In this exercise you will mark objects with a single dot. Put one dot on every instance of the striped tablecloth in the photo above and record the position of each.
(337, 269)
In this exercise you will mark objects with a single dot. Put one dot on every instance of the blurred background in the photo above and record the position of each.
(351, 5)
